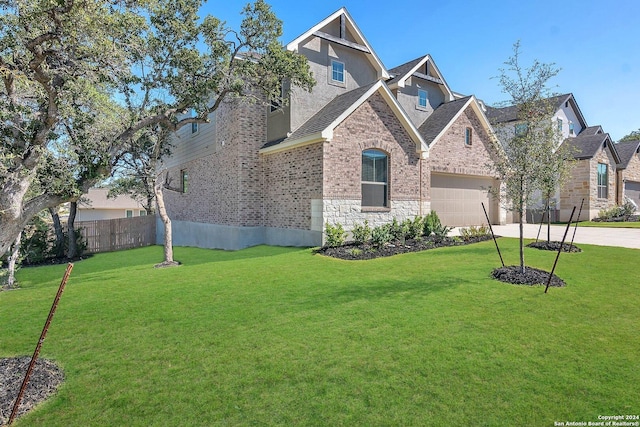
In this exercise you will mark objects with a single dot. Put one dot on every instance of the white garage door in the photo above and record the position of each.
(457, 199)
(632, 191)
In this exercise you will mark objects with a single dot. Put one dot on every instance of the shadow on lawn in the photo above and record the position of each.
(374, 290)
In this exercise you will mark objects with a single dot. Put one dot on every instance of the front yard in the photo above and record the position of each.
(282, 336)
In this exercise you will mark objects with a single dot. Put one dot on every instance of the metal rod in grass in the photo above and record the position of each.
(577, 221)
(492, 234)
(560, 250)
(34, 358)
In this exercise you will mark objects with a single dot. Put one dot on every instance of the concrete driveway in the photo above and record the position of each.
(623, 237)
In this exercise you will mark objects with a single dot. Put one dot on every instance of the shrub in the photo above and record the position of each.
(335, 235)
(413, 229)
(361, 232)
(381, 235)
(395, 229)
(616, 212)
(430, 223)
(468, 233)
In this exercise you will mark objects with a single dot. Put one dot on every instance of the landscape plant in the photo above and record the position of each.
(335, 235)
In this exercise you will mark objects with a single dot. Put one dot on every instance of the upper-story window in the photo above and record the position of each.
(603, 181)
(571, 128)
(559, 125)
(468, 136)
(422, 98)
(375, 178)
(337, 72)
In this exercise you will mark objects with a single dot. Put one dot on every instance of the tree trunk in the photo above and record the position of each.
(57, 227)
(162, 211)
(72, 246)
(548, 219)
(521, 224)
(12, 261)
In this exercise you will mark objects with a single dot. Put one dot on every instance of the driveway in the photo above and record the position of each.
(623, 237)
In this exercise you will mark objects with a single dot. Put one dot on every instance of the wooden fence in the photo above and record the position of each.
(108, 235)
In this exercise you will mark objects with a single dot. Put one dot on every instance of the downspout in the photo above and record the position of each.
(420, 183)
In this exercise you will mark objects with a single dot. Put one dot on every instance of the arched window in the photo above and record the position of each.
(375, 178)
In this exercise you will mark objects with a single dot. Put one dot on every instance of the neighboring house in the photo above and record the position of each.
(366, 144)
(594, 175)
(629, 180)
(95, 205)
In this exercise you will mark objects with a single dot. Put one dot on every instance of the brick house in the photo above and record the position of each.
(366, 144)
(594, 176)
(629, 179)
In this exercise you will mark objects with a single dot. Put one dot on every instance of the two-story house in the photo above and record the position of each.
(367, 143)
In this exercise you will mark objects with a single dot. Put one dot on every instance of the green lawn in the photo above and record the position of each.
(609, 224)
(279, 336)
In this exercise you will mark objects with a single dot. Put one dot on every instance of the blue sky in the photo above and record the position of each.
(596, 44)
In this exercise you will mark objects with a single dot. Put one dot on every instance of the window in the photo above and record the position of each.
(468, 136)
(337, 71)
(422, 98)
(521, 128)
(559, 125)
(571, 128)
(184, 180)
(194, 126)
(143, 213)
(603, 181)
(129, 213)
(374, 178)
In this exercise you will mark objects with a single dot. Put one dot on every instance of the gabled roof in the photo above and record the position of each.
(96, 198)
(509, 114)
(401, 73)
(320, 127)
(626, 150)
(592, 130)
(586, 146)
(348, 24)
(437, 124)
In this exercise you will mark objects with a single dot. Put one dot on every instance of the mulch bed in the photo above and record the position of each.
(554, 246)
(531, 277)
(353, 251)
(44, 381)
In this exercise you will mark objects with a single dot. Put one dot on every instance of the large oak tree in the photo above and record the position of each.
(70, 66)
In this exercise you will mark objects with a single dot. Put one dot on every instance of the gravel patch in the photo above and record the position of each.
(531, 277)
(44, 381)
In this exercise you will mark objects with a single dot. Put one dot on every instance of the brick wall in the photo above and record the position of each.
(451, 155)
(225, 187)
(373, 125)
(292, 179)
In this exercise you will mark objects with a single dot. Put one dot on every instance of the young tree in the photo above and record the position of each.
(154, 56)
(529, 146)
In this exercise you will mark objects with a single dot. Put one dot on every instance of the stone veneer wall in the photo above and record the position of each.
(583, 184)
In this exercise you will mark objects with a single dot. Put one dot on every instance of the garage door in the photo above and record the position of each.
(457, 199)
(632, 191)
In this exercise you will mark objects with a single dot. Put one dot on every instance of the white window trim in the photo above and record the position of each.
(340, 83)
(426, 100)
